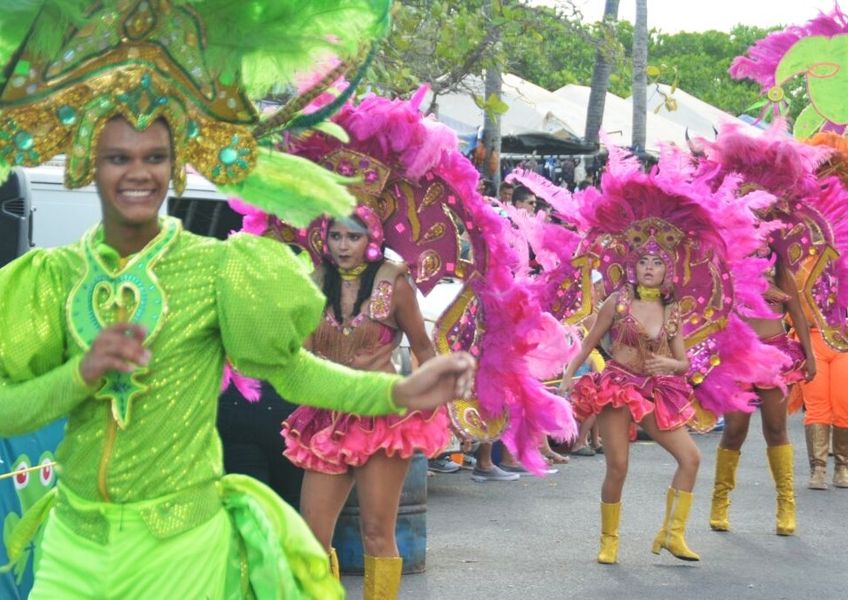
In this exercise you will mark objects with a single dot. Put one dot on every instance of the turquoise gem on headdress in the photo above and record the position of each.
(145, 80)
(193, 129)
(228, 156)
(67, 115)
(23, 140)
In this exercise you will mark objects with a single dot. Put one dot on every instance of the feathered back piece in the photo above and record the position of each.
(69, 66)
(816, 50)
(808, 223)
(409, 170)
(705, 239)
(563, 284)
(837, 162)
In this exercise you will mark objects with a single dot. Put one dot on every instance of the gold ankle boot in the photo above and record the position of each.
(382, 577)
(780, 462)
(334, 563)
(610, 518)
(677, 506)
(840, 457)
(817, 440)
(725, 481)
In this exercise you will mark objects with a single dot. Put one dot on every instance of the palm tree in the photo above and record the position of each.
(493, 82)
(600, 75)
(640, 78)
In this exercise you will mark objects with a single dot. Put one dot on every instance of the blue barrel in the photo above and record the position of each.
(411, 530)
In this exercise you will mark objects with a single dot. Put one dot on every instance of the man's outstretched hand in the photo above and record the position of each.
(116, 348)
(437, 381)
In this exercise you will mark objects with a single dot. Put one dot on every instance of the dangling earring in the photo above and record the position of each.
(373, 253)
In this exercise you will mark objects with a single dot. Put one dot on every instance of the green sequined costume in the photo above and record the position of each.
(248, 299)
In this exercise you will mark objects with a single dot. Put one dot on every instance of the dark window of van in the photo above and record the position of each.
(213, 218)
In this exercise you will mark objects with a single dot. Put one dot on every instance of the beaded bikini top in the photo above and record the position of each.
(631, 343)
(340, 342)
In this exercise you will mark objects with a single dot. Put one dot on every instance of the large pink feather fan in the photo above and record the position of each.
(787, 168)
(552, 243)
(250, 389)
(832, 203)
(761, 60)
(559, 198)
(772, 160)
(254, 221)
(522, 344)
(743, 359)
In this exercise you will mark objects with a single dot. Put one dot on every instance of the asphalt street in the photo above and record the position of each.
(537, 538)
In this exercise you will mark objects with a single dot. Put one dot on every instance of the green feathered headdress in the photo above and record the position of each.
(70, 66)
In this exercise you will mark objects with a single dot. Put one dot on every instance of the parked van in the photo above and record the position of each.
(60, 215)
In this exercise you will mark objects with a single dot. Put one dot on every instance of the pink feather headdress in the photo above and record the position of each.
(807, 224)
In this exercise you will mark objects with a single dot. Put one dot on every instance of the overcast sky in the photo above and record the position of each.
(672, 16)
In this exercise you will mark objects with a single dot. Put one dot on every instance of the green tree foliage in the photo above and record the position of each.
(444, 41)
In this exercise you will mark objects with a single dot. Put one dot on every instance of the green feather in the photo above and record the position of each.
(16, 26)
(265, 42)
(294, 189)
(269, 41)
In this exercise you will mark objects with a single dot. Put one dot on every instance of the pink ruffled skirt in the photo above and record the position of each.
(332, 442)
(795, 351)
(669, 397)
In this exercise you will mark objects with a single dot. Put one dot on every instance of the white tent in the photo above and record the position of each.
(618, 120)
(700, 117)
(532, 109)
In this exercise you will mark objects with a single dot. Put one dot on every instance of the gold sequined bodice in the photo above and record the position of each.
(631, 343)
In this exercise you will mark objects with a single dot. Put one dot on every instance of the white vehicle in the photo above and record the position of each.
(60, 215)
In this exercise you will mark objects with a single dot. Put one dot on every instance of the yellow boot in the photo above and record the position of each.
(677, 506)
(334, 564)
(610, 517)
(780, 461)
(725, 481)
(840, 456)
(382, 577)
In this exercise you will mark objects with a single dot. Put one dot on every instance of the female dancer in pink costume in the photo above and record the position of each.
(656, 237)
(782, 297)
(370, 305)
(643, 382)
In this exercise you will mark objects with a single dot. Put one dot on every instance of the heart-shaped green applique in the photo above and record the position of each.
(131, 295)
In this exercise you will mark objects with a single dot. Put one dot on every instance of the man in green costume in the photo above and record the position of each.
(127, 331)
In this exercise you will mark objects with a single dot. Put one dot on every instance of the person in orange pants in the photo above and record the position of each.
(826, 401)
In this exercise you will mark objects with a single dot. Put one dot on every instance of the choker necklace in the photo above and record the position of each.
(352, 274)
(646, 293)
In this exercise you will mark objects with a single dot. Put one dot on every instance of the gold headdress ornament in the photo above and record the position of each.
(189, 62)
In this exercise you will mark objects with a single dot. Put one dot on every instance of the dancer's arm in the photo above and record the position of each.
(410, 320)
(786, 282)
(37, 384)
(676, 364)
(602, 325)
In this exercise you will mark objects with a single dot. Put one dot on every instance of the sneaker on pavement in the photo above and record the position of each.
(493, 474)
(514, 469)
(442, 465)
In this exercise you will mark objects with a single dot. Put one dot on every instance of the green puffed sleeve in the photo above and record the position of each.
(37, 384)
(267, 306)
